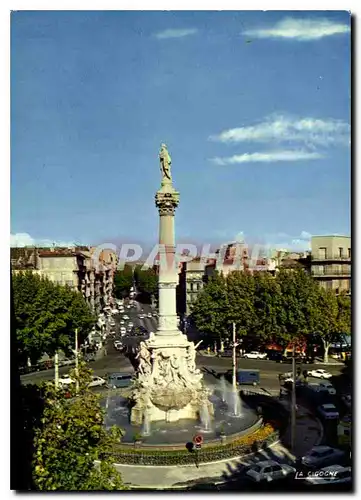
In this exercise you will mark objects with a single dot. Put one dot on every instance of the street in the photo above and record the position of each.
(212, 366)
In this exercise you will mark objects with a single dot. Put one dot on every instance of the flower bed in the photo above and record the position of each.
(240, 446)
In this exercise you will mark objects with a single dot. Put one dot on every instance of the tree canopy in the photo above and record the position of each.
(146, 281)
(282, 308)
(71, 444)
(123, 281)
(46, 316)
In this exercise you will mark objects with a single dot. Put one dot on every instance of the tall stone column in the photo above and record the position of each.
(169, 384)
(166, 200)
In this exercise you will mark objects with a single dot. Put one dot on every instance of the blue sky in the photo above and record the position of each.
(254, 108)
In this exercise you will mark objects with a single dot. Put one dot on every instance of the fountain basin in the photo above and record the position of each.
(177, 434)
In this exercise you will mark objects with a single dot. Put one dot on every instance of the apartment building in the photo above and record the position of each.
(74, 267)
(331, 262)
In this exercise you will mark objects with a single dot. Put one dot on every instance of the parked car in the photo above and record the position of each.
(67, 362)
(130, 324)
(97, 381)
(347, 400)
(115, 311)
(65, 380)
(245, 377)
(275, 356)
(125, 316)
(116, 380)
(269, 470)
(122, 322)
(320, 373)
(327, 386)
(141, 316)
(328, 411)
(227, 353)
(298, 359)
(320, 456)
(123, 329)
(255, 355)
(333, 474)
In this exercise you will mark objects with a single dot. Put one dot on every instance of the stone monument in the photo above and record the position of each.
(168, 386)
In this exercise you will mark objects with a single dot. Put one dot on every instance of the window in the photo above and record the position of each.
(349, 253)
(276, 468)
(267, 470)
(340, 252)
(322, 253)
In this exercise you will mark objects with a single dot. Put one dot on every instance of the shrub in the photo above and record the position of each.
(240, 446)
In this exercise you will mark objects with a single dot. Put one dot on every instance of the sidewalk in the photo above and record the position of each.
(331, 362)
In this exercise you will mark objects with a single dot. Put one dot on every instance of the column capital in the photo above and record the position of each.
(167, 201)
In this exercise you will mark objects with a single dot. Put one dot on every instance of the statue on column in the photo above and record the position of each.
(165, 163)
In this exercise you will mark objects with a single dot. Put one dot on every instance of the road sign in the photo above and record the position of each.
(198, 439)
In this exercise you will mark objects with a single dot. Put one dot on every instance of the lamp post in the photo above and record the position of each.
(234, 356)
(293, 401)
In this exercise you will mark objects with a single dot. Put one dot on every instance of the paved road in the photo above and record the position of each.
(212, 366)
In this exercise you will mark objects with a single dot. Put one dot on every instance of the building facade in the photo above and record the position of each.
(331, 262)
(74, 267)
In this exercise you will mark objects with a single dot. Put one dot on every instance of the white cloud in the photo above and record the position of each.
(305, 235)
(175, 33)
(280, 128)
(268, 157)
(300, 29)
(25, 240)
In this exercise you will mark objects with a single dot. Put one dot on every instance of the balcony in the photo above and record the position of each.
(332, 258)
(325, 273)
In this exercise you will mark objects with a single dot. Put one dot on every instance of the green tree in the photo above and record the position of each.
(240, 288)
(298, 307)
(147, 282)
(123, 281)
(268, 305)
(332, 318)
(210, 311)
(47, 315)
(72, 446)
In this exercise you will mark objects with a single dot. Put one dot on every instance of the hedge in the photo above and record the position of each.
(240, 446)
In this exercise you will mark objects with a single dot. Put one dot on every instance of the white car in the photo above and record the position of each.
(141, 316)
(328, 411)
(319, 373)
(149, 315)
(269, 470)
(325, 385)
(66, 380)
(115, 311)
(122, 322)
(333, 474)
(255, 355)
(130, 324)
(97, 381)
(125, 316)
(123, 329)
(322, 455)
